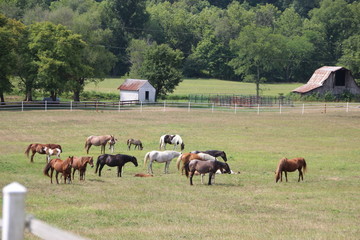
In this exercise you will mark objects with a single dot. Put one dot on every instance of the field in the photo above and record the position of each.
(249, 205)
(205, 86)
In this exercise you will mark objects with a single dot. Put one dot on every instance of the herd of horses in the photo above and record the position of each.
(195, 162)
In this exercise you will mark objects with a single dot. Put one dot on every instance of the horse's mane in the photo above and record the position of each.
(281, 165)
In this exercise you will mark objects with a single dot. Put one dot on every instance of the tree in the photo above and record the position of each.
(257, 51)
(351, 55)
(10, 32)
(162, 67)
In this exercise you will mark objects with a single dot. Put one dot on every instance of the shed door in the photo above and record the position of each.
(147, 95)
(340, 77)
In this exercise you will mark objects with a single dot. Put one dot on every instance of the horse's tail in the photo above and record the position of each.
(178, 161)
(187, 169)
(147, 157)
(97, 164)
(304, 166)
(28, 150)
(161, 142)
(47, 168)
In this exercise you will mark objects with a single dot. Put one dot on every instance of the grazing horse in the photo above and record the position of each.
(80, 163)
(171, 139)
(100, 141)
(187, 157)
(290, 165)
(60, 166)
(52, 152)
(118, 160)
(136, 142)
(158, 156)
(39, 148)
(202, 167)
(214, 153)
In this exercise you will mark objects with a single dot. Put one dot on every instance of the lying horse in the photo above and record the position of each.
(214, 153)
(290, 165)
(171, 139)
(118, 160)
(158, 156)
(99, 141)
(60, 166)
(137, 144)
(52, 152)
(202, 167)
(39, 148)
(187, 157)
(80, 163)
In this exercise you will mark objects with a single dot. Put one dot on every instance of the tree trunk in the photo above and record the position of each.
(2, 99)
(258, 85)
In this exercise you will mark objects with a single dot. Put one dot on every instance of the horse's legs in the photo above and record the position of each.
(210, 177)
(191, 177)
(150, 167)
(300, 175)
(32, 156)
(101, 167)
(166, 169)
(56, 176)
(286, 176)
(51, 174)
(88, 146)
(119, 171)
(73, 174)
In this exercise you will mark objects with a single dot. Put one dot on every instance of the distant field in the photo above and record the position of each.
(205, 86)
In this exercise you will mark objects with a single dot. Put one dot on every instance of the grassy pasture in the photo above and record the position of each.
(204, 86)
(249, 205)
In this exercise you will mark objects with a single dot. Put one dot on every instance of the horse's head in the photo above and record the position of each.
(223, 155)
(226, 168)
(182, 146)
(91, 161)
(134, 161)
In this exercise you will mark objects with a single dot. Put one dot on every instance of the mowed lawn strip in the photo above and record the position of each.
(249, 205)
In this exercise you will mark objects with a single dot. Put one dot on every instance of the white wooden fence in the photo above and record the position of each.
(15, 221)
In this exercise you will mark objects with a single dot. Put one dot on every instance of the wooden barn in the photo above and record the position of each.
(336, 80)
(137, 90)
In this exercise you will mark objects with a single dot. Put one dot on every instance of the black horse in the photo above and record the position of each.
(214, 153)
(118, 160)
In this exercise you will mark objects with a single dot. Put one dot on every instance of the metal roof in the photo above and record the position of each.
(132, 84)
(317, 79)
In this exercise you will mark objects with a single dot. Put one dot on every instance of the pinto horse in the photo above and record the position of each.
(136, 142)
(214, 153)
(80, 164)
(171, 139)
(290, 165)
(52, 152)
(187, 157)
(60, 166)
(202, 167)
(161, 157)
(39, 148)
(100, 141)
(118, 160)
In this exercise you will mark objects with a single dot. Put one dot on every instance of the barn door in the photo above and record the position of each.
(147, 95)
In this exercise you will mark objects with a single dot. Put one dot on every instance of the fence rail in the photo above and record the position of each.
(301, 108)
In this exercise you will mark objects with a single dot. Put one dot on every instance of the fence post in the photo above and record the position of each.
(71, 102)
(212, 108)
(235, 108)
(347, 107)
(140, 106)
(164, 106)
(13, 212)
(303, 109)
(189, 107)
(22, 106)
(119, 106)
(45, 106)
(280, 106)
(258, 109)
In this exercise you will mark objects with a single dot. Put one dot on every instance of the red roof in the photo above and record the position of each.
(132, 84)
(317, 79)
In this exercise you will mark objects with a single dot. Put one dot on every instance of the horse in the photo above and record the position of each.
(136, 142)
(39, 148)
(100, 141)
(60, 166)
(158, 156)
(80, 163)
(202, 167)
(214, 153)
(187, 157)
(118, 160)
(171, 139)
(52, 152)
(290, 165)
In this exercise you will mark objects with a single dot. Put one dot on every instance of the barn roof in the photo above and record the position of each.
(317, 79)
(132, 84)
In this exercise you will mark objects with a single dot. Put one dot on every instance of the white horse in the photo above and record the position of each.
(52, 152)
(171, 139)
(158, 156)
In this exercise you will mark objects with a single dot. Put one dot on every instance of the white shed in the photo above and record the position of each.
(137, 90)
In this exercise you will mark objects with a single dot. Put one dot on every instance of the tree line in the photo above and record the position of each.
(54, 47)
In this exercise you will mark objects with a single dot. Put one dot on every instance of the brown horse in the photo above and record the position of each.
(136, 142)
(187, 157)
(99, 141)
(39, 148)
(80, 163)
(203, 167)
(60, 166)
(290, 165)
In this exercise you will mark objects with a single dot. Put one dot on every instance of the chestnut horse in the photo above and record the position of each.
(80, 163)
(60, 166)
(290, 165)
(187, 157)
(39, 148)
(202, 167)
(99, 141)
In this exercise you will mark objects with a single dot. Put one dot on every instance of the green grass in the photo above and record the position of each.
(205, 86)
(249, 205)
